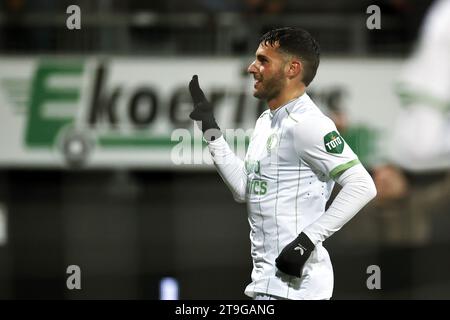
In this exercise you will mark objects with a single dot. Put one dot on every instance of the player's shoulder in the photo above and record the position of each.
(313, 127)
(309, 118)
(315, 122)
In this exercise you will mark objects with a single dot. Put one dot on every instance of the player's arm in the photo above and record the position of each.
(357, 190)
(319, 144)
(229, 166)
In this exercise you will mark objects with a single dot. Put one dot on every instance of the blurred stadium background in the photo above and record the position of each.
(87, 175)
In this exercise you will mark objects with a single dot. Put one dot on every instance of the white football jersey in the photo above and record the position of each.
(293, 156)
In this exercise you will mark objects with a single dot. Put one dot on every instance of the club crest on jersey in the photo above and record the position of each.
(333, 142)
(272, 142)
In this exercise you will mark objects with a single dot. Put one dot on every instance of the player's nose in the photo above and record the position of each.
(251, 68)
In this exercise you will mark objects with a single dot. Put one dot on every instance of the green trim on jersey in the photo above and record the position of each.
(336, 172)
(289, 115)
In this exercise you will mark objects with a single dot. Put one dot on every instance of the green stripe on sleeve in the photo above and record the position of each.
(336, 172)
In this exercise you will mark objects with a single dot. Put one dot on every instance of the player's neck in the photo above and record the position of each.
(284, 97)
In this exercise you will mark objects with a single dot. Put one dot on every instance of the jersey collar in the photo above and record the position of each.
(287, 106)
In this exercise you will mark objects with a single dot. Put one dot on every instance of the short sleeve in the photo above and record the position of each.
(318, 143)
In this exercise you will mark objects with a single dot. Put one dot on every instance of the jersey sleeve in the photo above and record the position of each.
(318, 143)
(230, 167)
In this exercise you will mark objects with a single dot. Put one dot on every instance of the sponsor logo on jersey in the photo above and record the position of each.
(256, 186)
(252, 166)
(333, 142)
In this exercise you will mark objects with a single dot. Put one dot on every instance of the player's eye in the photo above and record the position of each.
(262, 59)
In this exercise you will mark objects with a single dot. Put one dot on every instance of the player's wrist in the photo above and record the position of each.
(212, 134)
(207, 123)
(312, 237)
(304, 239)
(294, 256)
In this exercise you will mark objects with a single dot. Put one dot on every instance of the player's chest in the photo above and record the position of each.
(271, 150)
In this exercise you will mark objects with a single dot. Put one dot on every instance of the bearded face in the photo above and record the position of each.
(268, 73)
(268, 86)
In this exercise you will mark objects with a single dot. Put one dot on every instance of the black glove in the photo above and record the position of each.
(293, 257)
(203, 111)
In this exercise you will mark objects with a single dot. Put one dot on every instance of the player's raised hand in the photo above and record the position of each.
(293, 257)
(197, 94)
(203, 111)
(202, 108)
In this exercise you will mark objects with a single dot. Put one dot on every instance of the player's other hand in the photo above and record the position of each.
(203, 111)
(293, 257)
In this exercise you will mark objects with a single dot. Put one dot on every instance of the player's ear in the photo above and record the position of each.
(295, 67)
